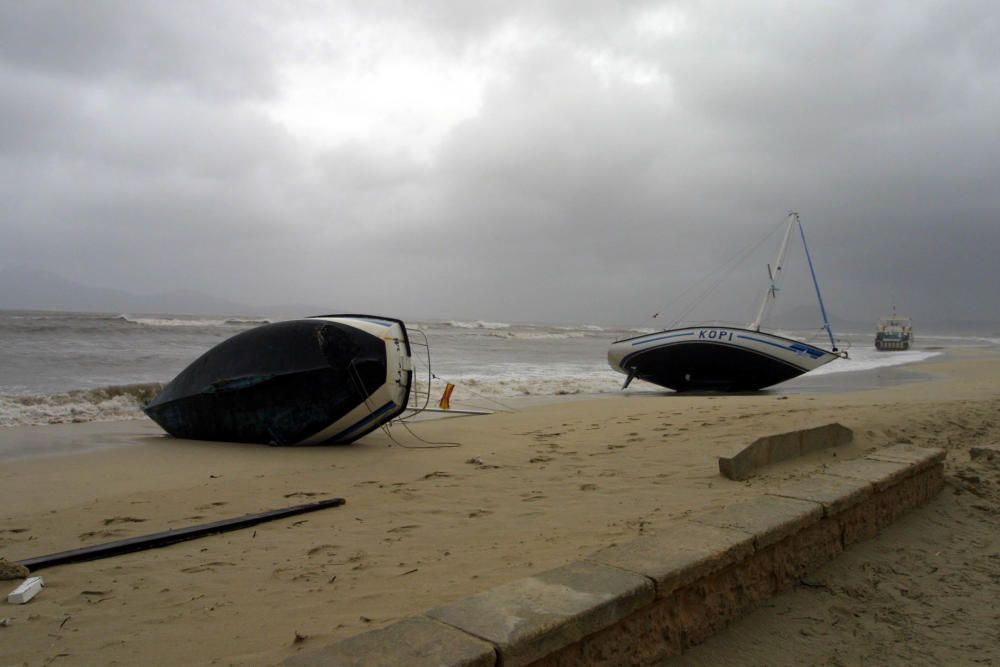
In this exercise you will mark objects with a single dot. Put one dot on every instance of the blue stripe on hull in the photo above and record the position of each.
(367, 420)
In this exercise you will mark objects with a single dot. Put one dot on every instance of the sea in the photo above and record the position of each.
(62, 367)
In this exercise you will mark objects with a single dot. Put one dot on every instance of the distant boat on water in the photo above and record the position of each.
(894, 333)
(725, 358)
(324, 379)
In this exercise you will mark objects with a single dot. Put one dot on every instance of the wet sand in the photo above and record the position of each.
(451, 508)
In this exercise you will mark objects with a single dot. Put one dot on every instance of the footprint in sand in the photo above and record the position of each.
(531, 497)
(206, 567)
(122, 519)
(403, 529)
(588, 487)
(302, 494)
(474, 514)
(435, 474)
(323, 549)
(104, 534)
(540, 459)
(218, 503)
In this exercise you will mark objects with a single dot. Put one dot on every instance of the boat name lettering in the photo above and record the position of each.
(715, 334)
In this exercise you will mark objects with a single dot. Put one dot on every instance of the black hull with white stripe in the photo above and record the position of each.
(308, 381)
(715, 359)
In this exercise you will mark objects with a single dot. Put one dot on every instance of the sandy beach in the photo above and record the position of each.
(454, 506)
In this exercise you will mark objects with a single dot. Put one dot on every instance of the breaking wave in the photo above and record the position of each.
(79, 405)
(166, 321)
(536, 335)
(478, 324)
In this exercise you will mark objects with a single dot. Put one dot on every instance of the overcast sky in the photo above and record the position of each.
(565, 161)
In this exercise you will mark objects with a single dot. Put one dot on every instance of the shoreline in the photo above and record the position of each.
(423, 525)
(70, 438)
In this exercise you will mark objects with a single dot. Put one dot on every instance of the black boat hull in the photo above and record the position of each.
(715, 359)
(306, 381)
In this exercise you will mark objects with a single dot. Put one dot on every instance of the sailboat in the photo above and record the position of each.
(724, 358)
(321, 379)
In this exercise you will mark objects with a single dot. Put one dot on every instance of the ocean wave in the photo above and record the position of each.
(478, 324)
(112, 403)
(167, 321)
(593, 328)
(535, 335)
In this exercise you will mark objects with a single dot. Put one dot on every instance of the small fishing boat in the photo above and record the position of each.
(894, 333)
(725, 358)
(323, 379)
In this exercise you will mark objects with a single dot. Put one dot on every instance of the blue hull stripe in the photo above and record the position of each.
(367, 420)
(797, 347)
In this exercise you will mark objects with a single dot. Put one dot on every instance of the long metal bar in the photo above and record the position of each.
(822, 308)
(455, 412)
(168, 537)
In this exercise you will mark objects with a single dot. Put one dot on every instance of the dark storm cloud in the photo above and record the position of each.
(618, 156)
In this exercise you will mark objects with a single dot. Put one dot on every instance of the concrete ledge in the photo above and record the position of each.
(639, 602)
(678, 555)
(768, 519)
(834, 494)
(780, 447)
(528, 618)
(412, 641)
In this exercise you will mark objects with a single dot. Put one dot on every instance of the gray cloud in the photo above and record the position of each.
(618, 155)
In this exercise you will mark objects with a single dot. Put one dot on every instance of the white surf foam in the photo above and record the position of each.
(80, 405)
(866, 360)
(164, 321)
(478, 324)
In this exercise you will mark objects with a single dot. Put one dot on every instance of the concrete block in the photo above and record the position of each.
(532, 617)
(678, 554)
(413, 641)
(882, 474)
(780, 447)
(767, 518)
(835, 494)
(824, 437)
(920, 458)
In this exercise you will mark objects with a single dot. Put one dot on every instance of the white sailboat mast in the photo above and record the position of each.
(775, 273)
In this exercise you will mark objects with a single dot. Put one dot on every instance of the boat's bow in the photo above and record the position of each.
(331, 378)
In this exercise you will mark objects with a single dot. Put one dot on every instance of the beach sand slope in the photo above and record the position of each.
(472, 503)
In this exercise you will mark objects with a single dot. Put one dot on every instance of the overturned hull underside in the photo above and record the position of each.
(324, 379)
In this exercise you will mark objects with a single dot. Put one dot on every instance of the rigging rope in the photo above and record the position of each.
(732, 262)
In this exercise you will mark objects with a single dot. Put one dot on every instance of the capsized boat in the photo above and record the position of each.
(725, 358)
(323, 379)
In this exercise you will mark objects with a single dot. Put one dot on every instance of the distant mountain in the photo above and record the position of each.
(29, 289)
